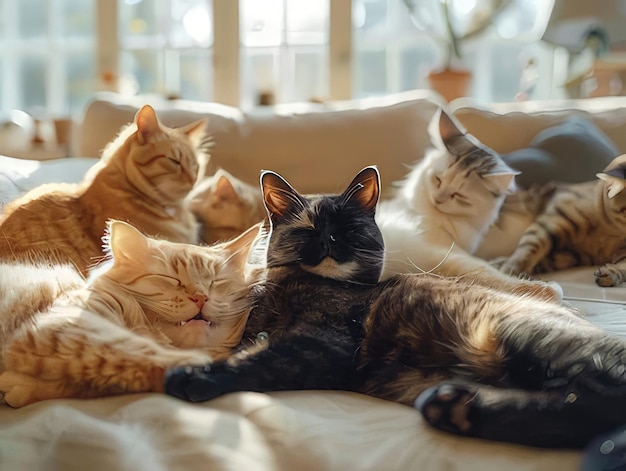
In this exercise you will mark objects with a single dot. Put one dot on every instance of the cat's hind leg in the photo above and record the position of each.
(569, 417)
(79, 354)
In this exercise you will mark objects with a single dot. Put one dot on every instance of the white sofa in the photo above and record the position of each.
(318, 148)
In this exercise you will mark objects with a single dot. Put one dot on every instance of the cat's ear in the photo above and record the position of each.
(196, 131)
(446, 134)
(224, 190)
(147, 123)
(615, 176)
(364, 189)
(240, 246)
(126, 243)
(501, 182)
(448, 128)
(501, 177)
(279, 196)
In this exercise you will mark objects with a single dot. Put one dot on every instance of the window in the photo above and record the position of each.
(54, 54)
(284, 46)
(46, 50)
(166, 47)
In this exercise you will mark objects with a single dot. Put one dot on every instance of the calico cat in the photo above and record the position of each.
(225, 206)
(154, 304)
(143, 178)
(475, 360)
(442, 210)
(582, 224)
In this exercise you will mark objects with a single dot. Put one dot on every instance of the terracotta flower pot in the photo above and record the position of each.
(450, 83)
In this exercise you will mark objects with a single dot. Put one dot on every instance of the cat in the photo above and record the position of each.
(441, 211)
(582, 224)
(151, 305)
(475, 360)
(225, 206)
(143, 177)
(517, 213)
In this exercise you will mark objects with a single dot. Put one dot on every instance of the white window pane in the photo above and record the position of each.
(259, 74)
(196, 73)
(415, 64)
(262, 22)
(77, 18)
(140, 18)
(80, 70)
(307, 22)
(311, 75)
(32, 78)
(371, 73)
(193, 23)
(524, 19)
(142, 71)
(32, 18)
(368, 15)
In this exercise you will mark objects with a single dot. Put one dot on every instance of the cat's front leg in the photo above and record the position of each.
(612, 274)
(534, 246)
(304, 363)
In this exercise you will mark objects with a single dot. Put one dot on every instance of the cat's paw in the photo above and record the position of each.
(513, 268)
(498, 263)
(603, 364)
(608, 275)
(194, 383)
(448, 407)
(19, 390)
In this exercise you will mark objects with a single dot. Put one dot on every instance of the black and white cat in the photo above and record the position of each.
(475, 360)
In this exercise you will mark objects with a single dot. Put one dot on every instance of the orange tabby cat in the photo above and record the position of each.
(225, 206)
(143, 178)
(155, 304)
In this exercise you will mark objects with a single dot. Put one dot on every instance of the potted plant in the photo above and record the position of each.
(451, 80)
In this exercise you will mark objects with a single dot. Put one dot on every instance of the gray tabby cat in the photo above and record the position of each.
(582, 224)
(443, 209)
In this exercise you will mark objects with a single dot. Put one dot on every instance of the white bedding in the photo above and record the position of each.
(292, 431)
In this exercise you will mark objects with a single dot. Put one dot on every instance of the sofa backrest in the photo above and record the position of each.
(318, 148)
(507, 127)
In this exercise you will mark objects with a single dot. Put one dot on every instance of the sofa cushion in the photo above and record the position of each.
(507, 127)
(572, 151)
(317, 147)
(17, 176)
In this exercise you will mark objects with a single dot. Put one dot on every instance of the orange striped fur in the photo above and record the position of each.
(143, 177)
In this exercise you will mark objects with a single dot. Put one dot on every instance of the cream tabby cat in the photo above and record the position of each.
(225, 206)
(582, 224)
(154, 305)
(444, 207)
(143, 178)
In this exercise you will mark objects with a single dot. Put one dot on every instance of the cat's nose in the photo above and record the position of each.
(326, 243)
(199, 299)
